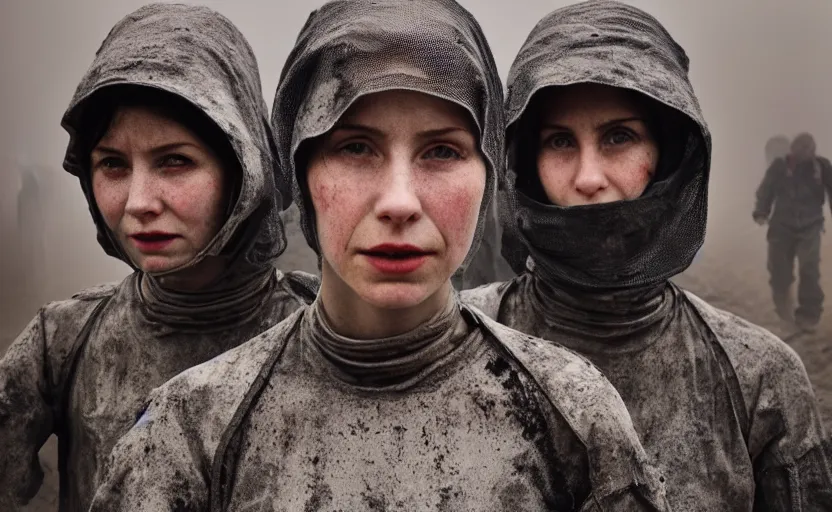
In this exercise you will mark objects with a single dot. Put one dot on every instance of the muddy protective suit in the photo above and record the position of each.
(83, 367)
(724, 408)
(458, 414)
(797, 191)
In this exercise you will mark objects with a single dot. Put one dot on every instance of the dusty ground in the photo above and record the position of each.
(730, 273)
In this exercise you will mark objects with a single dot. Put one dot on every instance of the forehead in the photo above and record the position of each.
(145, 123)
(574, 102)
(405, 108)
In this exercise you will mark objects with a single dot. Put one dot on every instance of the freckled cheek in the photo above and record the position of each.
(555, 177)
(199, 203)
(337, 213)
(111, 198)
(322, 194)
(455, 210)
(635, 172)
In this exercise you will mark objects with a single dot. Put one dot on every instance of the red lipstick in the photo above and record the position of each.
(152, 241)
(396, 258)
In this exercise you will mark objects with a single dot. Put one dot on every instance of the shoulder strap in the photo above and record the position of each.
(589, 404)
(66, 378)
(225, 458)
(712, 322)
(73, 356)
(488, 298)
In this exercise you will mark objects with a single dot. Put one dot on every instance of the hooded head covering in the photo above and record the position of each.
(777, 147)
(351, 48)
(200, 58)
(803, 147)
(626, 243)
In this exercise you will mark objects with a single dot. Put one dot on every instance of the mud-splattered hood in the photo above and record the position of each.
(351, 48)
(627, 243)
(200, 56)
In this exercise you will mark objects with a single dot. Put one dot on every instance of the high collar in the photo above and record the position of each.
(396, 362)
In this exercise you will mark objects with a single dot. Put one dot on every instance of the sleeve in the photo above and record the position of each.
(765, 192)
(826, 174)
(787, 442)
(26, 415)
(157, 465)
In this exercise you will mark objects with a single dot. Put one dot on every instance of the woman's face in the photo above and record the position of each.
(396, 186)
(158, 187)
(594, 145)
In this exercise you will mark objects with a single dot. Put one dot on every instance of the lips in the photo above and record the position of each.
(396, 258)
(152, 241)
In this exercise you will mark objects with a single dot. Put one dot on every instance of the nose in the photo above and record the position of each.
(591, 177)
(398, 202)
(144, 198)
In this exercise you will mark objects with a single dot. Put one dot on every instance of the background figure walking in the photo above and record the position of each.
(31, 232)
(795, 186)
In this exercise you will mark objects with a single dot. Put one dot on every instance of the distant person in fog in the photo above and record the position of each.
(170, 142)
(795, 187)
(31, 227)
(777, 147)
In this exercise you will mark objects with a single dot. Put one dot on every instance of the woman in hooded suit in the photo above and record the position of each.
(386, 394)
(170, 141)
(606, 199)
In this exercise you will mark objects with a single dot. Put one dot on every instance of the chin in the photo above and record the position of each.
(396, 295)
(157, 264)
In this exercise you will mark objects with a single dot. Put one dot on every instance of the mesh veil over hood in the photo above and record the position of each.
(199, 56)
(626, 243)
(351, 48)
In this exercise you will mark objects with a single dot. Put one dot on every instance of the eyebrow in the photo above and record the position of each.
(375, 131)
(606, 124)
(159, 149)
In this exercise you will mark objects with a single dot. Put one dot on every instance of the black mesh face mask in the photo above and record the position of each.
(192, 56)
(623, 244)
(351, 48)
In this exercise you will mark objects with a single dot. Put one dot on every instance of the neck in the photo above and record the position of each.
(196, 277)
(352, 316)
(601, 313)
(210, 302)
